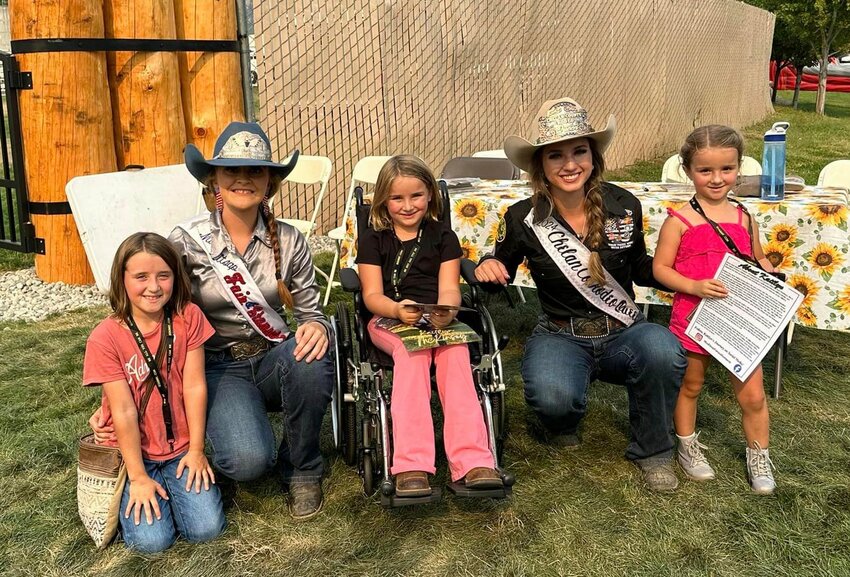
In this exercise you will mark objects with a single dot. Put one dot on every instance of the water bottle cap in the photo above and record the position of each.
(774, 137)
(778, 128)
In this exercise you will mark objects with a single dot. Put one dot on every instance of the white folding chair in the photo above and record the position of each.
(836, 173)
(674, 172)
(309, 170)
(749, 167)
(365, 172)
(497, 153)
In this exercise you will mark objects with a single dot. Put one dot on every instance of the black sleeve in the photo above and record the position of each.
(509, 250)
(368, 248)
(449, 246)
(642, 262)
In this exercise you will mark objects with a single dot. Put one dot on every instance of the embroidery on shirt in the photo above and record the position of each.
(620, 231)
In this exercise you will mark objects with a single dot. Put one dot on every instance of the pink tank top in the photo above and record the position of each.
(700, 252)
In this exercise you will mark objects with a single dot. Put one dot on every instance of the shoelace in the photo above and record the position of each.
(695, 452)
(760, 462)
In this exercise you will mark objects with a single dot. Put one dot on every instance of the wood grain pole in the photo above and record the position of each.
(66, 123)
(145, 86)
(210, 81)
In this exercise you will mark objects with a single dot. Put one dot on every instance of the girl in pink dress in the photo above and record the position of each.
(688, 254)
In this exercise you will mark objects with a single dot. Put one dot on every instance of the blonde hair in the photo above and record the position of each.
(151, 243)
(594, 210)
(711, 136)
(402, 165)
(210, 192)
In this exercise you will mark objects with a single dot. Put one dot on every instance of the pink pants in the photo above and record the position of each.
(464, 433)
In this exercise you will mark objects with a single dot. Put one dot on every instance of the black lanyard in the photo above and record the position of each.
(400, 271)
(727, 240)
(161, 384)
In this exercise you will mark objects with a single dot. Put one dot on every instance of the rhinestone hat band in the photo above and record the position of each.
(245, 145)
(563, 120)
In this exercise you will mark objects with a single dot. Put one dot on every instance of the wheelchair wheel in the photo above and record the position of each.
(348, 410)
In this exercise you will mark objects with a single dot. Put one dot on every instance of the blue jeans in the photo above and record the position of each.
(557, 369)
(240, 394)
(195, 516)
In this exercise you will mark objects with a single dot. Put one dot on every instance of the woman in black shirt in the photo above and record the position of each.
(583, 240)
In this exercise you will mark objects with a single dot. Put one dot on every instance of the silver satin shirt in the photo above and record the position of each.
(209, 293)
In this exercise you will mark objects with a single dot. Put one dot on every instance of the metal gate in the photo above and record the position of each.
(16, 231)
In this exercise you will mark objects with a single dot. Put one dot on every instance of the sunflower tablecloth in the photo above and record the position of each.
(804, 236)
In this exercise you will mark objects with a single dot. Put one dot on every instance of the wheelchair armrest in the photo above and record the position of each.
(467, 271)
(349, 280)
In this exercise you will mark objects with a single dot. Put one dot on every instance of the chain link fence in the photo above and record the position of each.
(445, 78)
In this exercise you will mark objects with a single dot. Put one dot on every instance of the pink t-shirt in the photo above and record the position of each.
(113, 355)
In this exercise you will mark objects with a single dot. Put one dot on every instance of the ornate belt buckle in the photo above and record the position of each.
(589, 328)
(248, 349)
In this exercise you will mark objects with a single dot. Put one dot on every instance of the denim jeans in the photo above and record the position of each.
(194, 516)
(240, 394)
(558, 367)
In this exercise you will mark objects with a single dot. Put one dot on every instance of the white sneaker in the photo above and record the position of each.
(760, 470)
(692, 459)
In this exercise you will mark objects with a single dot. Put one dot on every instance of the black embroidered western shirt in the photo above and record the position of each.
(623, 254)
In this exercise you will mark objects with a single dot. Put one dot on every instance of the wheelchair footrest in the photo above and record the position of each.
(461, 490)
(396, 501)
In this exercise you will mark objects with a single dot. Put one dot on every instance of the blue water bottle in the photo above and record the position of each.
(773, 163)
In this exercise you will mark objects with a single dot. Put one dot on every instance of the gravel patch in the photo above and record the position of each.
(321, 244)
(25, 297)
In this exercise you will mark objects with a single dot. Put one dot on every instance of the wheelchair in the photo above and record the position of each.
(362, 423)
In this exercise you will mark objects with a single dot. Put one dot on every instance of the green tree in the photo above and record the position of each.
(819, 25)
(788, 51)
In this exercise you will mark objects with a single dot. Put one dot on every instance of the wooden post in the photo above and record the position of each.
(66, 123)
(210, 81)
(149, 127)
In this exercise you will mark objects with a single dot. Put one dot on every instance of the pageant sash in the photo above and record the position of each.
(240, 287)
(572, 257)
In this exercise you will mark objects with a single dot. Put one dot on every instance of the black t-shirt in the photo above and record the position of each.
(623, 254)
(421, 284)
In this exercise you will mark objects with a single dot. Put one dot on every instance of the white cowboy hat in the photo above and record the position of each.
(557, 121)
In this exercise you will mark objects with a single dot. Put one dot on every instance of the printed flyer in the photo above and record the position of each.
(739, 330)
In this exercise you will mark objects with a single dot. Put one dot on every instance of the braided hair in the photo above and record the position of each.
(271, 225)
(541, 201)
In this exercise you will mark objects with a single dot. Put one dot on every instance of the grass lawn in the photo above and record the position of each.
(580, 512)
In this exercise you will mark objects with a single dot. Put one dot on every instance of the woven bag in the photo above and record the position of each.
(101, 475)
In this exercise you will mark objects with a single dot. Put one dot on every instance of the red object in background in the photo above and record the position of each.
(810, 81)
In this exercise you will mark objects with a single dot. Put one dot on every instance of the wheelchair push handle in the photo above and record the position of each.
(467, 271)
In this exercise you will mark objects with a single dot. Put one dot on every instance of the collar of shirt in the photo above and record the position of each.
(221, 239)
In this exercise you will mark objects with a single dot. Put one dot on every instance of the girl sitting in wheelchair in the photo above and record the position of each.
(406, 257)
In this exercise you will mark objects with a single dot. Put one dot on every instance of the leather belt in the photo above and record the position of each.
(249, 348)
(592, 328)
